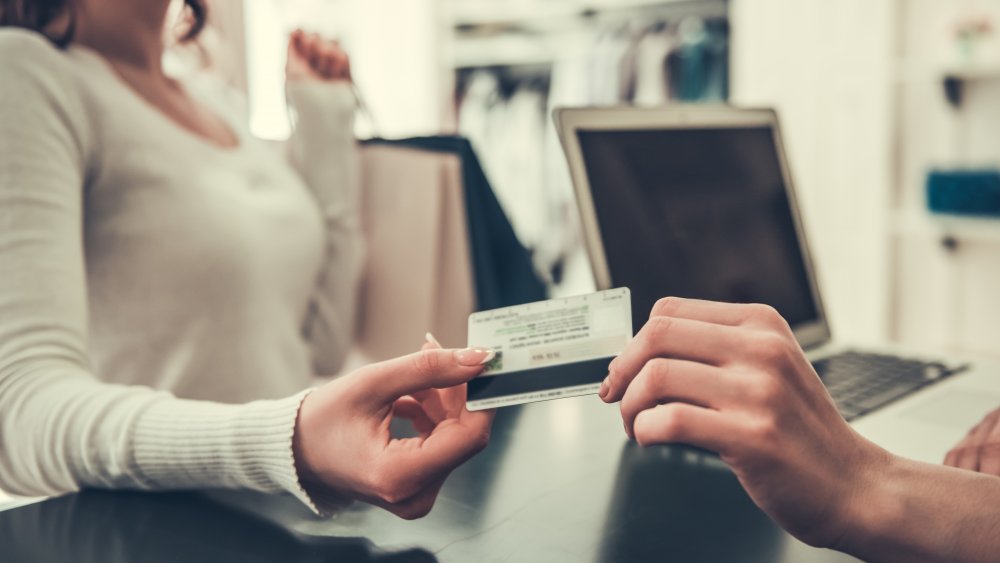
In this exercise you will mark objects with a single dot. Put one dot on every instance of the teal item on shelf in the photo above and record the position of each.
(964, 192)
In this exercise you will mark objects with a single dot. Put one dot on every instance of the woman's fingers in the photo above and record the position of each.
(437, 402)
(329, 68)
(665, 381)
(311, 55)
(432, 402)
(412, 410)
(409, 466)
(417, 506)
(668, 337)
(681, 423)
(382, 383)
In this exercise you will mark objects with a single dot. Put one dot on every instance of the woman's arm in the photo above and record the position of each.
(324, 151)
(732, 379)
(60, 428)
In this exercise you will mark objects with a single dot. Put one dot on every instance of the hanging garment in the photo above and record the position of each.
(502, 268)
(652, 82)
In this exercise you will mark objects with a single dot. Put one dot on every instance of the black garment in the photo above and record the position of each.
(503, 271)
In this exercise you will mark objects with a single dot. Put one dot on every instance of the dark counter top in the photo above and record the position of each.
(559, 482)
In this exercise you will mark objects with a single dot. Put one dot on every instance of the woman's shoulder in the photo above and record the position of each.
(40, 81)
(26, 49)
(34, 70)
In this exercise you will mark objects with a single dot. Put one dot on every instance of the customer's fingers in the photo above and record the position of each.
(341, 65)
(327, 66)
(410, 465)
(666, 337)
(417, 506)
(730, 314)
(438, 402)
(681, 423)
(663, 380)
(432, 400)
(382, 383)
(410, 409)
(297, 40)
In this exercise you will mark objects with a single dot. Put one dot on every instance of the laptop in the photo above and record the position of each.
(698, 202)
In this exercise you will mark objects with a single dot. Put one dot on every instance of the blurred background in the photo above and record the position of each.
(890, 109)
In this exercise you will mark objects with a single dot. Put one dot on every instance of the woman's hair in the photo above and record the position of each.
(39, 15)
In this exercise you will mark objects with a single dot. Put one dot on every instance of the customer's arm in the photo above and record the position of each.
(732, 379)
(324, 151)
(61, 429)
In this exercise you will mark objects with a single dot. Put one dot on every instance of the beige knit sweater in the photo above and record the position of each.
(153, 284)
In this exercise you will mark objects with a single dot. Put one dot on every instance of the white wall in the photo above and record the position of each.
(946, 299)
(826, 66)
(397, 47)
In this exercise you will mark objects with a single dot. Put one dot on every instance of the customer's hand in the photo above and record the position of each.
(310, 57)
(733, 380)
(343, 441)
(980, 449)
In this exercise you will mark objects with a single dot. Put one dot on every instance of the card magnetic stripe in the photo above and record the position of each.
(538, 379)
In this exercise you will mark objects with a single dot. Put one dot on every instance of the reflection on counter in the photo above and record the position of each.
(106, 527)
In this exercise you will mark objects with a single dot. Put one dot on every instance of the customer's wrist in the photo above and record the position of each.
(304, 468)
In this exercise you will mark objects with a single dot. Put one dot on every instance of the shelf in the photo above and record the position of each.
(947, 228)
(503, 51)
(536, 34)
(477, 16)
(955, 80)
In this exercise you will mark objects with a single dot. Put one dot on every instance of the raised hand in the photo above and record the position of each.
(310, 57)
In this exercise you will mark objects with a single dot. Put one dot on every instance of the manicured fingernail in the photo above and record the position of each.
(474, 356)
(430, 339)
(605, 387)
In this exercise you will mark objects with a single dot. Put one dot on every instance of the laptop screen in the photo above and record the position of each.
(699, 213)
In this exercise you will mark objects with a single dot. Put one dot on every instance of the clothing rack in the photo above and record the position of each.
(489, 37)
(570, 14)
(513, 67)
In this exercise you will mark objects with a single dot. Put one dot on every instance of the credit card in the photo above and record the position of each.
(550, 349)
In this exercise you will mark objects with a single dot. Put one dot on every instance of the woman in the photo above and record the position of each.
(158, 265)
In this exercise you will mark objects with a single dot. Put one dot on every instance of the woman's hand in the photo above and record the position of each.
(980, 450)
(343, 442)
(310, 57)
(732, 379)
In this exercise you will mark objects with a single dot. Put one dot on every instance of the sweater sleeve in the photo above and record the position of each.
(61, 429)
(324, 152)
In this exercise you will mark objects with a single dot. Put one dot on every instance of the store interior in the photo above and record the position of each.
(873, 98)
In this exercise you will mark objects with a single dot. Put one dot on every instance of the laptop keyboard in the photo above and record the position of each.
(862, 382)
